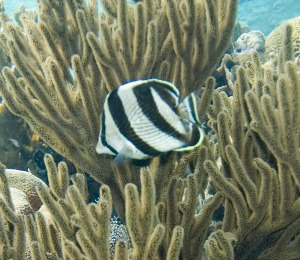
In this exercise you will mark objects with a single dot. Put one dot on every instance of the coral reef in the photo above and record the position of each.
(253, 40)
(247, 170)
(258, 135)
(274, 39)
(67, 61)
(20, 202)
(27, 183)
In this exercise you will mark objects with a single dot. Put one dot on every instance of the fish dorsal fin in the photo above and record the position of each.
(168, 91)
(187, 109)
(165, 84)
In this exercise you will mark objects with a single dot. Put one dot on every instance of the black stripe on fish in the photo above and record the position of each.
(196, 135)
(168, 86)
(193, 108)
(103, 135)
(147, 103)
(163, 85)
(120, 118)
(164, 92)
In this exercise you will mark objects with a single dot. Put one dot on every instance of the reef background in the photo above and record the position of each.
(249, 165)
(250, 12)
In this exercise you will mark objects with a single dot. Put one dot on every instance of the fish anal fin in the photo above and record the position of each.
(102, 149)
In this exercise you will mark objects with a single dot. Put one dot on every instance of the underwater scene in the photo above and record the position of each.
(150, 129)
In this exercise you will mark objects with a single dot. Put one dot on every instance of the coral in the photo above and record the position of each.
(67, 61)
(253, 40)
(274, 39)
(22, 10)
(258, 140)
(150, 226)
(27, 183)
(118, 232)
(12, 232)
(20, 202)
(220, 245)
(4, 55)
(249, 162)
(71, 228)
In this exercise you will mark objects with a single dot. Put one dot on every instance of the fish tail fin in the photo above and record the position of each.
(187, 109)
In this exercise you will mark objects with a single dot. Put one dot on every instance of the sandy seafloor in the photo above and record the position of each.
(263, 15)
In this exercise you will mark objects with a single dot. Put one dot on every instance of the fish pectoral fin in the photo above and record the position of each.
(121, 160)
(126, 151)
(124, 156)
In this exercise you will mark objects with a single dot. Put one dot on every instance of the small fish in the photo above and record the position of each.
(144, 119)
(15, 142)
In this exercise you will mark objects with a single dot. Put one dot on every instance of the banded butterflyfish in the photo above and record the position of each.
(144, 119)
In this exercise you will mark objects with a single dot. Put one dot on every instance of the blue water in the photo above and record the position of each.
(12, 5)
(263, 15)
(266, 15)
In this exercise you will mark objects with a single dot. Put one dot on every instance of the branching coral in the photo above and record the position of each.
(63, 69)
(66, 63)
(258, 135)
(12, 234)
(179, 40)
(76, 230)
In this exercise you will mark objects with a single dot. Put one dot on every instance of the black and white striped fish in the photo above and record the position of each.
(144, 118)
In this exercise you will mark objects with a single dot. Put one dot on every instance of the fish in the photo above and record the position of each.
(15, 142)
(145, 118)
